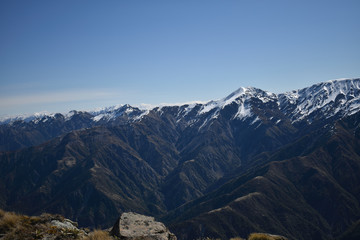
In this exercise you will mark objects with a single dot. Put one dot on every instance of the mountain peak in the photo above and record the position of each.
(343, 80)
(240, 96)
(339, 96)
(247, 92)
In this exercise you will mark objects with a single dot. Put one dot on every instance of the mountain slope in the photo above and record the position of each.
(322, 101)
(252, 161)
(314, 195)
(91, 175)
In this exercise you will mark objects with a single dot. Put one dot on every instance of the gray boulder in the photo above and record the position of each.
(135, 226)
(66, 224)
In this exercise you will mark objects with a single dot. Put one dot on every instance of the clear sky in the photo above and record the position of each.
(61, 55)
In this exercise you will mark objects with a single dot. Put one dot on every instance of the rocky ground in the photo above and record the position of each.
(46, 226)
(129, 226)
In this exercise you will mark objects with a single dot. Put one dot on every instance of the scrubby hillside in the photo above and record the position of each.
(46, 226)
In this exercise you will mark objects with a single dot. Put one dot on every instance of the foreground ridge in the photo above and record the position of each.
(130, 226)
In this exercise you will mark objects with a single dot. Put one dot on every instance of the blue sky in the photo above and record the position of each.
(57, 56)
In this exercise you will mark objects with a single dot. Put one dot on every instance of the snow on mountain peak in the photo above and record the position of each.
(329, 97)
(220, 104)
(241, 97)
(110, 113)
(35, 117)
(335, 97)
(342, 79)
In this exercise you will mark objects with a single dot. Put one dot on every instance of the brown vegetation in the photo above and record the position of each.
(16, 226)
(98, 235)
(8, 221)
(264, 236)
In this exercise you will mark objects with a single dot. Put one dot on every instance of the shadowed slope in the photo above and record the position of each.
(314, 195)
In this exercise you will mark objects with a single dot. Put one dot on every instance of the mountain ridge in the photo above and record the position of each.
(167, 160)
(108, 113)
(299, 107)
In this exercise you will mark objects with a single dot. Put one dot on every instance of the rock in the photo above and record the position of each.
(135, 226)
(66, 224)
(63, 229)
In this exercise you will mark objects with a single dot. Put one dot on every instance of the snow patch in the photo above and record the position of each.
(142, 115)
(98, 117)
(321, 97)
(255, 120)
(243, 112)
(208, 107)
(69, 115)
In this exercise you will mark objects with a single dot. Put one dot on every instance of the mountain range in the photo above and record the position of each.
(254, 161)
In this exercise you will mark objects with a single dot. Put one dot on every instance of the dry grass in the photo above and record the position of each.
(2, 212)
(15, 226)
(8, 220)
(263, 236)
(99, 235)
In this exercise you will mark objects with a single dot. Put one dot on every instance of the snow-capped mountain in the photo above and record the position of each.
(112, 113)
(321, 101)
(249, 106)
(335, 98)
(242, 98)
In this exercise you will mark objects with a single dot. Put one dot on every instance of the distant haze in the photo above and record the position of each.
(57, 56)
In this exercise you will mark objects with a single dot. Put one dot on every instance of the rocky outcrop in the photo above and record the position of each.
(135, 226)
(266, 236)
(44, 227)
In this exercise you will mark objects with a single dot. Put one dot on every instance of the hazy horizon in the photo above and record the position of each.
(66, 55)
